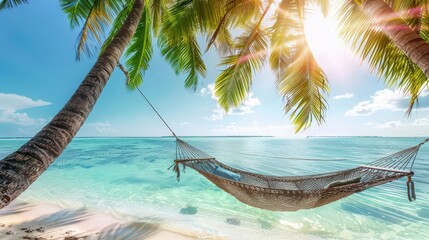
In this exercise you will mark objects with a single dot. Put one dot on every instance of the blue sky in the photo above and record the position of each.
(38, 73)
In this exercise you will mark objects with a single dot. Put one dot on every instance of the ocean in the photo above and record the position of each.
(128, 178)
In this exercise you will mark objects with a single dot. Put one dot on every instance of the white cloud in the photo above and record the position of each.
(209, 90)
(17, 102)
(10, 104)
(101, 127)
(218, 113)
(184, 123)
(419, 122)
(246, 106)
(203, 92)
(22, 119)
(385, 99)
(344, 96)
(391, 124)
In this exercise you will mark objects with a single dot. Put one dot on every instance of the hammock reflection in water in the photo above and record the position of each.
(300, 192)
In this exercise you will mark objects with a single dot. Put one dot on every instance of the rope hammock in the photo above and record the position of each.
(292, 193)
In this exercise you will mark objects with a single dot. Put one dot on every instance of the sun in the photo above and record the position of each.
(330, 52)
(321, 35)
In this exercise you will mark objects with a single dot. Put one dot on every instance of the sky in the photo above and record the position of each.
(38, 74)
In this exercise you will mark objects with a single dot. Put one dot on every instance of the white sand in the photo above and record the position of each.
(29, 221)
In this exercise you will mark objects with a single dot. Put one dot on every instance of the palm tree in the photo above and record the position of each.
(23, 167)
(395, 47)
(131, 26)
(393, 37)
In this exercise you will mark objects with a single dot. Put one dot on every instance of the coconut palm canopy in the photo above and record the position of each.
(270, 32)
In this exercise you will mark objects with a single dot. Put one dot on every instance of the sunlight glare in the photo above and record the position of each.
(321, 35)
(330, 52)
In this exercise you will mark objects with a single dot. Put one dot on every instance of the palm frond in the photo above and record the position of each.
(192, 62)
(230, 16)
(384, 57)
(178, 42)
(324, 6)
(424, 23)
(208, 13)
(184, 56)
(244, 11)
(223, 42)
(233, 84)
(281, 39)
(8, 4)
(303, 84)
(139, 52)
(219, 29)
(95, 16)
(180, 20)
(158, 8)
(117, 24)
(171, 50)
(299, 78)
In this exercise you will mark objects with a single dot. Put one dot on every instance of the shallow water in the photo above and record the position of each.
(128, 178)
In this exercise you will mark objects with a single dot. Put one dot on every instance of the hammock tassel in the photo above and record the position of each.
(410, 189)
(176, 169)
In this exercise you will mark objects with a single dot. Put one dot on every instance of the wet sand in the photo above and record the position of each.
(39, 222)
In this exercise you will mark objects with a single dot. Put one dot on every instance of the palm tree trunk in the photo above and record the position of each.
(23, 167)
(399, 32)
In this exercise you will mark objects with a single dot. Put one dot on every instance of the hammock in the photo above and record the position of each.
(292, 193)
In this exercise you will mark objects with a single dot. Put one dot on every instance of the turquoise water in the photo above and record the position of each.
(128, 178)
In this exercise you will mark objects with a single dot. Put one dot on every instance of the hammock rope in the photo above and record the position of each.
(292, 193)
(157, 113)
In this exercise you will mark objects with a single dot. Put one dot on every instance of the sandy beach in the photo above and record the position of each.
(22, 220)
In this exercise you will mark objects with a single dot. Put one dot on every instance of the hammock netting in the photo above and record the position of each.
(291, 193)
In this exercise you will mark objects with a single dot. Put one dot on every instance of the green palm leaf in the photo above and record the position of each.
(158, 9)
(244, 11)
(303, 85)
(233, 84)
(299, 78)
(7, 4)
(193, 62)
(184, 56)
(178, 42)
(94, 16)
(117, 24)
(221, 36)
(139, 52)
(281, 51)
(383, 56)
